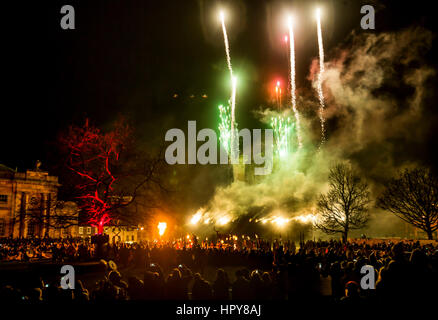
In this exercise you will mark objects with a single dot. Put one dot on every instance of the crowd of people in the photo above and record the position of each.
(312, 270)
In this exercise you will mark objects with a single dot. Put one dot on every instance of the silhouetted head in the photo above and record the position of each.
(351, 289)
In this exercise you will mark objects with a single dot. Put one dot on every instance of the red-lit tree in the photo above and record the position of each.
(108, 172)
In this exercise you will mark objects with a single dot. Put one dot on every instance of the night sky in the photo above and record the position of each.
(130, 57)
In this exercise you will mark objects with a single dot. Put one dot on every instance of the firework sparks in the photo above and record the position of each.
(161, 228)
(292, 79)
(306, 218)
(196, 218)
(223, 220)
(278, 94)
(280, 221)
(233, 146)
(225, 127)
(282, 127)
(320, 75)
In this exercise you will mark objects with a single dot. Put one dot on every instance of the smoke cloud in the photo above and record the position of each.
(376, 89)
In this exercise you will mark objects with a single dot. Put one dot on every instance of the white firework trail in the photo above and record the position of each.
(234, 146)
(227, 46)
(320, 75)
(233, 88)
(292, 80)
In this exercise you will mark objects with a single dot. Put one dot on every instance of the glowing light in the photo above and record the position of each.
(223, 221)
(308, 218)
(227, 46)
(221, 15)
(279, 221)
(320, 76)
(196, 217)
(161, 228)
(292, 79)
(285, 38)
(142, 228)
(318, 13)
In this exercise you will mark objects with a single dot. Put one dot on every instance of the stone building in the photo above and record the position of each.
(26, 202)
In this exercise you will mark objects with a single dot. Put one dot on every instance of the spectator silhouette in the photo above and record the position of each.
(221, 286)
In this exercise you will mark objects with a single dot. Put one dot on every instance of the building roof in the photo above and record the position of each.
(4, 168)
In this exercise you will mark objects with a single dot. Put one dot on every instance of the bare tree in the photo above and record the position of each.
(344, 207)
(109, 171)
(413, 197)
(59, 215)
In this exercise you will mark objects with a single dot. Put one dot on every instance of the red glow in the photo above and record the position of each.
(92, 156)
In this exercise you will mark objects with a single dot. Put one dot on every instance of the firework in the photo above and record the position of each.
(280, 221)
(292, 79)
(234, 144)
(223, 220)
(227, 46)
(320, 75)
(225, 127)
(161, 228)
(306, 218)
(196, 218)
(278, 94)
(282, 127)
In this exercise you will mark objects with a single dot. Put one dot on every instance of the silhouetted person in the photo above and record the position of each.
(221, 286)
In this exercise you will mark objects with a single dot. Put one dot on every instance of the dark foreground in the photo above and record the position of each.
(319, 273)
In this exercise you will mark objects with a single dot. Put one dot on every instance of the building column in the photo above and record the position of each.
(47, 198)
(13, 210)
(22, 230)
(41, 225)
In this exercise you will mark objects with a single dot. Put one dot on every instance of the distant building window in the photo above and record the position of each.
(127, 238)
(3, 198)
(81, 230)
(2, 226)
(88, 230)
(132, 238)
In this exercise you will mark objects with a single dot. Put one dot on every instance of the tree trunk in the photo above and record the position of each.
(345, 236)
(429, 234)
